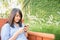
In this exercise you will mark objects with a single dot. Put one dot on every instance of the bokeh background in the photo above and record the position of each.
(41, 15)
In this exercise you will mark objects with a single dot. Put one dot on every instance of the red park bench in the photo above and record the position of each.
(32, 35)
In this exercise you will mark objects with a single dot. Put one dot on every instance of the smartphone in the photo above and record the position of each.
(25, 26)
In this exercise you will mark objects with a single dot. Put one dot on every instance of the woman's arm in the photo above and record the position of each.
(26, 30)
(16, 34)
(5, 31)
(26, 34)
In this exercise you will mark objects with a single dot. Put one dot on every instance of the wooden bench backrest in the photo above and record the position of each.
(2, 22)
(32, 35)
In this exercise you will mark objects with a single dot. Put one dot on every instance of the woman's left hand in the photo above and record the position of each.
(26, 28)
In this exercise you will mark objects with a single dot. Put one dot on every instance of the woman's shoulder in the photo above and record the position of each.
(6, 25)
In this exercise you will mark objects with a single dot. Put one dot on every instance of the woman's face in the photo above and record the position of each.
(17, 17)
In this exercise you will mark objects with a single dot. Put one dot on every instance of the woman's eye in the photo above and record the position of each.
(17, 15)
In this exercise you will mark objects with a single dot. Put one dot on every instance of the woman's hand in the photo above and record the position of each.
(26, 28)
(21, 30)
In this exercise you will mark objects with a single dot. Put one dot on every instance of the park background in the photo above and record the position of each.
(41, 15)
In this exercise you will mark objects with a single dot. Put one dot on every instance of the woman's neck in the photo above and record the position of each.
(17, 25)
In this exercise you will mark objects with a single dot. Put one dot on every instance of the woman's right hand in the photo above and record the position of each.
(21, 30)
(16, 34)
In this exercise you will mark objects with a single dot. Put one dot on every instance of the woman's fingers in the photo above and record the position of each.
(21, 30)
(25, 28)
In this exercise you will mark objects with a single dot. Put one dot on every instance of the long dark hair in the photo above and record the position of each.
(12, 16)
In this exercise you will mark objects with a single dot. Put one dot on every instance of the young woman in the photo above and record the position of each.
(14, 29)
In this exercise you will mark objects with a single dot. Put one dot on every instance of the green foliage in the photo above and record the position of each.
(47, 13)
